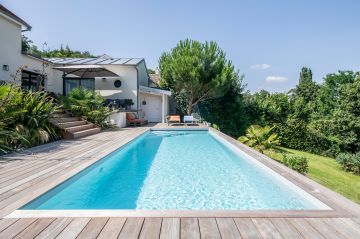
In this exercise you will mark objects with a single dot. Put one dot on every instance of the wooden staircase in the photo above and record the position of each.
(73, 127)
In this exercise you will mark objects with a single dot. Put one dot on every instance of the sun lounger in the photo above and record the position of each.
(171, 119)
(132, 120)
(189, 119)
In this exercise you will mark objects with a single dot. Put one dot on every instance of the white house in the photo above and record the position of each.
(113, 78)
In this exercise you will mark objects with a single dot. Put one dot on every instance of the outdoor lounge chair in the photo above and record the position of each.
(132, 120)
(189, 119)
(173, 119)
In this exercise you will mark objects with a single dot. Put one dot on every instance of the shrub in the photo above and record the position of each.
(87, 103)
(260, 138)
(297, 163)
(24, 118)
(349, 162)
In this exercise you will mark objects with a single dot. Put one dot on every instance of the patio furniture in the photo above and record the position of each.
(189, 119)
(133, 120)
(173, 119)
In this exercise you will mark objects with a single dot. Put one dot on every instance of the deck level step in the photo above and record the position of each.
(78, 128)
(64, 119)
(71, 124)
(87, 132)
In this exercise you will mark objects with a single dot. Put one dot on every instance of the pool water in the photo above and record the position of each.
(176, 170)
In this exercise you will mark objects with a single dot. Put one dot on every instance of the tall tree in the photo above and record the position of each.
(307, 88)
(196, 72)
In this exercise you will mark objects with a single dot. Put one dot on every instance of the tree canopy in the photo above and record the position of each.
(27, 46)
(196, 72)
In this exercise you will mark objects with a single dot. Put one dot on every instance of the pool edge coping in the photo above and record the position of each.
(299, 180)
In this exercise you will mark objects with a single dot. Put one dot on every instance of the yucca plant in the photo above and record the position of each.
(34, 123)
(24, 118)
(260, 138)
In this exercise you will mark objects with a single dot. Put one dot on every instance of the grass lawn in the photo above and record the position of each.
(327, 172)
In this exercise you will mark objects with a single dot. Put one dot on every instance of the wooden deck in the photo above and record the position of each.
(26, 175)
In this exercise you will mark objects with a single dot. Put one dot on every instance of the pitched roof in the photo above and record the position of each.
(155, 78)
(95, 61)
(11, 15)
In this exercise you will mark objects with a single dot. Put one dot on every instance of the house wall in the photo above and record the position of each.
(153, 107)
(10, 47)
(143, 75)
(53, 81)
(129, 85)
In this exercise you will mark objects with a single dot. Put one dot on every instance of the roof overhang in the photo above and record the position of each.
(11, 16)
(153, 91)
(86, 71)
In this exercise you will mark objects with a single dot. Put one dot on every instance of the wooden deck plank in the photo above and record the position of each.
(287, 230)
(33, 182)
(341, 227)
(112, 228)
(54, 228)
(6, 222)
(170, 228)
(228, 228)
(208, 228)
(73, 229)
(131, 228)
(350, 224)
(93, 228)
(35, 228)
(306, 230)
(324, 229)
(17, 227)
(266, 228)
(189, 228)
(247, 228)
(151, 228)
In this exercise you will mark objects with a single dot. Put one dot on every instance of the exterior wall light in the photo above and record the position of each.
(6, 67)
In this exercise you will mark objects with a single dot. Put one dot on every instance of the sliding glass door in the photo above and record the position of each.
(71, 83)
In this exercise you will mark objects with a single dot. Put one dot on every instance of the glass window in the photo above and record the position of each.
(71, 83)
(31, 80)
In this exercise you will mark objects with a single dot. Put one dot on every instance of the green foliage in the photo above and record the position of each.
(196, 72)
(150, 71)
(350, 162)
(307, 88)
(227, 112)
(27, 46)
(260, 138)
(296, 162)
(323, 119)
(24, 118)
(88, 104)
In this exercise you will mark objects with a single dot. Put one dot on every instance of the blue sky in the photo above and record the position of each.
(268, 41)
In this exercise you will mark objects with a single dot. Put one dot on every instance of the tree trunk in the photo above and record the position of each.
(189, 109)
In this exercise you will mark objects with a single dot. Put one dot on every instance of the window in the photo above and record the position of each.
(31, 81)
(71, 83)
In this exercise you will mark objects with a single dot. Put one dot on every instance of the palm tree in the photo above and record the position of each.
(260, 138)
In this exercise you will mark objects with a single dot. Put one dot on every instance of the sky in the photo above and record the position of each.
(267, 41)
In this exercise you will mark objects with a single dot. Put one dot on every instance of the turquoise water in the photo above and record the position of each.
(174, 170)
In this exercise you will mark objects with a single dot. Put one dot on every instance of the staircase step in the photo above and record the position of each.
(79, 128)
(87, 132)
(61, 115)
(71, 124)
(59, 111)
(64, 119)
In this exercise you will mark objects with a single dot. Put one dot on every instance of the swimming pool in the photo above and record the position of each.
(177, 170)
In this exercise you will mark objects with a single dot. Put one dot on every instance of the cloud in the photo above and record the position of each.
(260, 67)
(276, 79)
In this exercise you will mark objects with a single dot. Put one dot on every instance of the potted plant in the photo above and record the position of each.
(128, 103)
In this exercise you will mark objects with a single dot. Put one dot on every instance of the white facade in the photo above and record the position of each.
(10, 47)
(132, 72)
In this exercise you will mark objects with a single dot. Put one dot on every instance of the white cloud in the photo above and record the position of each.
(276, 79)
(260, 67)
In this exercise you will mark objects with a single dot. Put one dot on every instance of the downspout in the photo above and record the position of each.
(137, 90)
